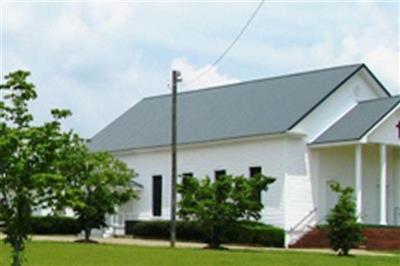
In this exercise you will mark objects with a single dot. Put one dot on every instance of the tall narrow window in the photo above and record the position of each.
(218, 194)
(157, 195)
(253, 172)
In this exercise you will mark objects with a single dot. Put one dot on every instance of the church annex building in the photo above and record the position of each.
(306, 129)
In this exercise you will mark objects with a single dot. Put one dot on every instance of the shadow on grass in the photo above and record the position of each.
(86, 241)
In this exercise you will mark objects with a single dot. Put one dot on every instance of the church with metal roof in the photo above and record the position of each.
(306, 129)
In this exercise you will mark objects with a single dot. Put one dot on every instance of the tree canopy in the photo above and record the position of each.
(28, 159)
(42, 166)
(96, 184)
(219, 204)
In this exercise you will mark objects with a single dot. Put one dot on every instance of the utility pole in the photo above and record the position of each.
(175, 79)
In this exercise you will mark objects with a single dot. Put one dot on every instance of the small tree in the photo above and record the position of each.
(97, 184)
(29, 155)
(344, 231)
(217, 205)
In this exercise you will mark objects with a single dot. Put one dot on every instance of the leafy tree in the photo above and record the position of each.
(97, 184)
(218, 205)
(344, 231)
(29, 155)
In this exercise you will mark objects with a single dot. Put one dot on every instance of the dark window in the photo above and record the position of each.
(157, 195)
(253, 172)
(219, 173)
(185, 175)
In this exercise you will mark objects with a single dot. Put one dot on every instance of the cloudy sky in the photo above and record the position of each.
(99, 58)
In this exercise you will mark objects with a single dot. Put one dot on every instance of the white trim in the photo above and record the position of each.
(209, 143)
(335, 144)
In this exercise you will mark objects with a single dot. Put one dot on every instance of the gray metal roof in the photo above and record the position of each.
(359, 120)
(266, 106)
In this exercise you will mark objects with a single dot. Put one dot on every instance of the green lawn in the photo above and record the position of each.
(55, 254)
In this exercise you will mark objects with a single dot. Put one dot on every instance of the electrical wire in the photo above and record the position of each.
(202, 74)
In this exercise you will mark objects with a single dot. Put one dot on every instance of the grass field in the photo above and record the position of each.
(57, 254)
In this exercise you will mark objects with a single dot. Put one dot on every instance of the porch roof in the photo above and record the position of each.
(359, 120)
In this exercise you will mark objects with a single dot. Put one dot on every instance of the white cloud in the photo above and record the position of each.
(18, 16)
(101, 58)
(14, 61)
(191, 72)
(385, 63)
(363, 33)
(70, 29)
(110, 16)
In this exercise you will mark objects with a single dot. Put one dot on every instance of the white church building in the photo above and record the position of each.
(306, 129)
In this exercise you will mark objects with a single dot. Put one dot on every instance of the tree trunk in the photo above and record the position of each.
(215, 238)
(345, 252)
(16, 254)
(87, 234)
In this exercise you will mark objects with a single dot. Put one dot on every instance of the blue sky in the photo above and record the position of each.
(100, 58)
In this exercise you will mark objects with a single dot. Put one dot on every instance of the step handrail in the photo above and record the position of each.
(308, 215)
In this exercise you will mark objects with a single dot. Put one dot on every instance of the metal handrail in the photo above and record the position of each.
(293, 231)
(308, 215)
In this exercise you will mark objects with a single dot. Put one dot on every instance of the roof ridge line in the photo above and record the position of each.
(256, 80)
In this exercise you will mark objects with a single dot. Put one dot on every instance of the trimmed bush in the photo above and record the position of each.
(54, 225)
(129, 227)
(189, 231)
(156, 229)
(244, 232)
(256, 233)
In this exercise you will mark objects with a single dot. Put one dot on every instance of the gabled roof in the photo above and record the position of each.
(265, 106)
(359, 120)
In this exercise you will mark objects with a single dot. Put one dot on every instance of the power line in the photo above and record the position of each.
(229, 47)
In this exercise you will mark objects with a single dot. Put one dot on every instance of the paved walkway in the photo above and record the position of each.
(164, 243)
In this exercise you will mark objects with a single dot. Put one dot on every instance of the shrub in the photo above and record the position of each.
(129, 227)
(344, 232)
(219, 204)
(156, 229)
(190, 231)
(54, 225)
(244, 232)
(256, 233)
